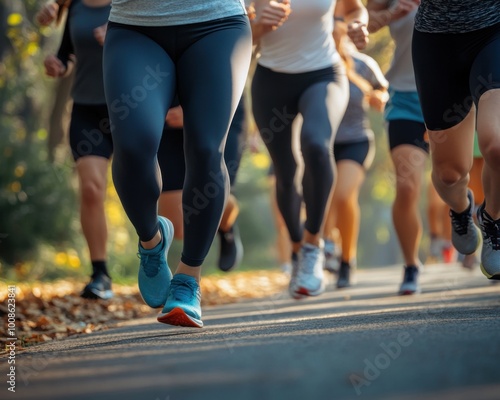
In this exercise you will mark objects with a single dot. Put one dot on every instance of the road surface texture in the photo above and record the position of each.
(363, 342)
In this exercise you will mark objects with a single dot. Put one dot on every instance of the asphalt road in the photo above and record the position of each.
(356, 343)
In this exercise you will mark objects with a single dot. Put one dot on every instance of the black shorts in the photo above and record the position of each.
(171, 152)
(89, 131)
(360, 152)
(452, 71)
(404, 131)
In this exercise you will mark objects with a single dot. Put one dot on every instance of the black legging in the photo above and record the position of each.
(207, 65)
(321, 97)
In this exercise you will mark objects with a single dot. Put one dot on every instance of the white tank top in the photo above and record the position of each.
(304, 42)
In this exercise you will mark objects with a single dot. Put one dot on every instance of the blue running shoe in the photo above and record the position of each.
(183, 306)
(154, 273)
(410, 281)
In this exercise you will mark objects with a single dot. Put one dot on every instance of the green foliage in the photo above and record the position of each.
(37, 201)
(37, 198)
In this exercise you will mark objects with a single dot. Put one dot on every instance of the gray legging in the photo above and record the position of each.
(207, 64)
(321, 98)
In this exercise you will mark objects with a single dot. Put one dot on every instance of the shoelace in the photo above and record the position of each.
(460, 221)
(310, 256)
(491, 229)
(410, 274)
(150, 263)
(183, 290)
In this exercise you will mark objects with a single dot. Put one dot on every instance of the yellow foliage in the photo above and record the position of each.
(14, 19)
(261, 160)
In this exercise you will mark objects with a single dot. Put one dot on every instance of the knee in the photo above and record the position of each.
(407, 191)
(315, 150)
(449, 175)
(92, 192)
(491, 153)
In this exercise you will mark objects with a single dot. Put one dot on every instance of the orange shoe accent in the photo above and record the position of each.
(449, 254)
(178, 317)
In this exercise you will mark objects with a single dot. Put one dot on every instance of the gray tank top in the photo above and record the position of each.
(355, 126)
(400, 74)
(173, 12)
(456, 16)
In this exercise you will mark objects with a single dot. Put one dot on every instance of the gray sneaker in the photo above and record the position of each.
(310, 274)
(490, 254)
(464, 234)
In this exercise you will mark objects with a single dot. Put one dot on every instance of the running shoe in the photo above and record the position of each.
(344, 279)
(231, 249)
(183, 306)
(154, 273)
(435, 249)
(292, 286)
(490, 254)
(99, 287)
(410, 281)
(465, 234)
(310, 273)
(332, 256)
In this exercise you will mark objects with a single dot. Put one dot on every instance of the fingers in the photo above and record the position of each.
(275, 14)
(54, 67)
(47, 14)
(358, 33)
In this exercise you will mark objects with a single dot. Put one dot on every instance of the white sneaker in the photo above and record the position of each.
(310, 275)
(332, 257)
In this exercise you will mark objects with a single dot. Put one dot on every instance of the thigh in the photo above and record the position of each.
(89, 133)
(139, 83)
(211, 75)
(322, 106)
(407, 132)
(442, 76)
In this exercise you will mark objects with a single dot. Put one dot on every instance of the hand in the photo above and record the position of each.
(274, 15)
(100, 33)
(175, 117)
(358, 33)
(54, 67)
(377, 99)
(402, 8)
(47, 14)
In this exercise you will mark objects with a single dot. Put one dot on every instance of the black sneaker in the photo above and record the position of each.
(231, 249)
(344, 279)
(99, 287)
(464, 234)
(410, 281)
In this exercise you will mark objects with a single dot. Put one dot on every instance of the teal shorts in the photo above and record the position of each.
(403, 105)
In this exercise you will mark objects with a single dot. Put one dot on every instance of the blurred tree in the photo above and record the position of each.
(37, 201)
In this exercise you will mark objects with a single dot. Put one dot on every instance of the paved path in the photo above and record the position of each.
(362, 342)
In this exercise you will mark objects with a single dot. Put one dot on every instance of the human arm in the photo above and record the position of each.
(383, 12)
(175, 117)
(268, 16)
(47, 14)
(356, 17)
(100, 33)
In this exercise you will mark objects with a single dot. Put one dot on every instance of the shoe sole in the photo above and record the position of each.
(179, 318)
(408, 292)
(97, 294)
(494, 277)
(306, 292)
